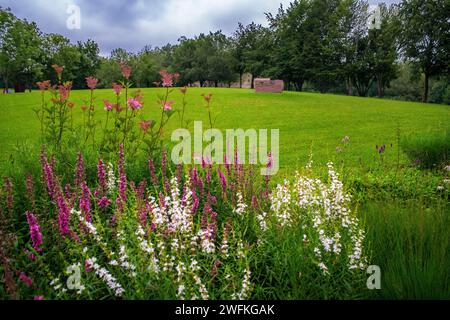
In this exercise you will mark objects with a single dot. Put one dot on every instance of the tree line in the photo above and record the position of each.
(339, 46)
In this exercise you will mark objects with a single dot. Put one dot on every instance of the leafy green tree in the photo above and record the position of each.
(384, 46)
(20, 51)
(425, 37)
(89, 62)
(252, 51)
(288, 61)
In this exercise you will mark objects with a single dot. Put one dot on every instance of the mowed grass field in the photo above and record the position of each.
(308, 122)
(407, 234)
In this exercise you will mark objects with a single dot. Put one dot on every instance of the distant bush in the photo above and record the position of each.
(406, 86)
(428, 150)
(440, 92)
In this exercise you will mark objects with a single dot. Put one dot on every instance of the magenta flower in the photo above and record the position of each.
(134, 104)
(48, 175)
(122, 175)
(101, 175)
(104, 202)
(117, 88)
(91, 82)
(88, 265)
(63, 217)
(223, 180)
(80, 175)
(195, 201)
(151, 168)
(35, 233)
(108, 105)
(29, 186)
(85, 201)
(9, 193)
(38, 298)
(25, 279)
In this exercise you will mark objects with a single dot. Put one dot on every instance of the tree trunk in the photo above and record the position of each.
(349, 86)
(253, 84)
(299, 85)
(216, 83)
(6, 85)
(240, 80)
(426, 88)
(380, 89)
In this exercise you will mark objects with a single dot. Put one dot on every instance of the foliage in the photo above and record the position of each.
(190, 234)
(424, 38)
(428, 150)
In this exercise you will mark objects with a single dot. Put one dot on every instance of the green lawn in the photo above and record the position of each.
(307, 121)
(406, 219)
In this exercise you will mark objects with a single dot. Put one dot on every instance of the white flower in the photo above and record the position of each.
(246, 289)
(241, 206)
(104, 274)
(111, 184)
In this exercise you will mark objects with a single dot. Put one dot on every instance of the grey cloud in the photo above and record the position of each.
(136, 23)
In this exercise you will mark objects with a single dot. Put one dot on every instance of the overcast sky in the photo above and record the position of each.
(133, 24)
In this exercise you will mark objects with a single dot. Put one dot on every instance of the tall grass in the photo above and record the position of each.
(428, 150)
(411, 244)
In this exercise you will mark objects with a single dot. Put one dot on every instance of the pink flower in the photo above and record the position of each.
(134, 104)
(64, 91)
(63, 217)
(35, 233)
(101, 174)
(91, 82)
(59, 70)
(44, 85)
(207, 97)
(117, 88)
(85, 202)
(145, 125)
(122, 175)
(108, 105)
(151, 167)
(8, 187)
(84, 107)
(38, 298)
(167, 78)
(88, 265)
(167, 105)
(25, 279)
(104, 202)
(126, 70)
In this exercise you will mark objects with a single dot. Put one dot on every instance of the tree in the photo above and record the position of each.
(253, 43)
(288, 54)
(384, 46)
(89, 62)
(425, 37)
(58, 50)
(20, 51)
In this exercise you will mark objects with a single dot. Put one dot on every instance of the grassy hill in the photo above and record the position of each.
(308, 122)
